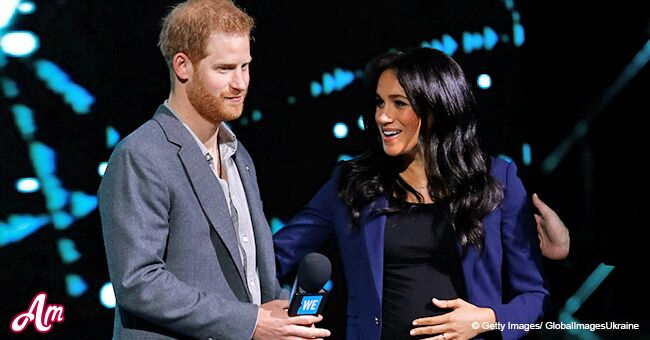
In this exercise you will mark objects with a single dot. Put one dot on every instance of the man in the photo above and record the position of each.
(189, 249)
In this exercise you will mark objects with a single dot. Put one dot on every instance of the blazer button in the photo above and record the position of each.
(210, 339)
(376, 321)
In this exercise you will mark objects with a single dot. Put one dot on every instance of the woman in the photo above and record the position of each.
(423, 214)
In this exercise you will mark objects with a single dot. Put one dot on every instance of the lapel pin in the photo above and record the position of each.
(247, 168)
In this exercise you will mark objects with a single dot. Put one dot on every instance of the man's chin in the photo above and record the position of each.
(218, 115)
(231, 115)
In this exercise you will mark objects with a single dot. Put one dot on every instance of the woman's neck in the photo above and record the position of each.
(415, 174)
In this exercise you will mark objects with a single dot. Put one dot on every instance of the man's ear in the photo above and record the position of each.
(183, 67)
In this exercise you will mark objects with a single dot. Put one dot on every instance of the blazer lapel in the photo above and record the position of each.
(261, 229)
(373, 225)
(205, 185)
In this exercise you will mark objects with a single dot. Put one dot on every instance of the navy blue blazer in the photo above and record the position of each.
(506, 276)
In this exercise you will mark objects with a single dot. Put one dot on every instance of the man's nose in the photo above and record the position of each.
(239, 80)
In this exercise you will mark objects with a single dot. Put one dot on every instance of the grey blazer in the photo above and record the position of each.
(171, 247)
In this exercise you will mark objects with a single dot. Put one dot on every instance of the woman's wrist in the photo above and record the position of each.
(488, 319)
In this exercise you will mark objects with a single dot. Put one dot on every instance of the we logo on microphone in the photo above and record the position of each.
(309, 305)
(308, 295)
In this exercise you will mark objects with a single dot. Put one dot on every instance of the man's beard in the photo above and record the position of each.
(212, 108)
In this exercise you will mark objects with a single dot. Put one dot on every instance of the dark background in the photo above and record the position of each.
(570, 58)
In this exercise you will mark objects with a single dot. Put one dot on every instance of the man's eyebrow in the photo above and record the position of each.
(232, 65)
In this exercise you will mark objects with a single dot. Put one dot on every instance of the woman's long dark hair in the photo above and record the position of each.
(456, 167)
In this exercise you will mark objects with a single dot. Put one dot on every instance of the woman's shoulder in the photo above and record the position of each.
(500, 166)
(330, 186)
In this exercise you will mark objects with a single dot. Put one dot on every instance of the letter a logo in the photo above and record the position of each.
(39, 313)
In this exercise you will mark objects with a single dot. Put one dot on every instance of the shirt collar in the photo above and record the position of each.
(226, 139)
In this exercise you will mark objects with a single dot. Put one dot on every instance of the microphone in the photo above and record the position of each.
(307, 295)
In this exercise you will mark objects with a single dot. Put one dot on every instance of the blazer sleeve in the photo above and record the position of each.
(134, 204)
(524, 292)
(307, 231)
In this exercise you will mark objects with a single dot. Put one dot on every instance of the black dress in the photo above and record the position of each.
(420, 262)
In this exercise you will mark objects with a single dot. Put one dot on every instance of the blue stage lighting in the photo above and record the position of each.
(62, 220)
(112, 137)
(276, 224)
(316, 89)
(7, 11)
(490, 37)
(449, 45)
(9, 88)
(107, 295)
(101, 169)
(82, 204)
(340, 130)
(26, 7)
(68, 251)
(328, 83)
(75, 285)
(526, 154)
(28, 185)
(518, 34)
(19, 44)
(20, 226)
(484, 81)
(23, 116)
(344, 157)
(58, 81)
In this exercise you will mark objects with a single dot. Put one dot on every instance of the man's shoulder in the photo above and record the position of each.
(149, 134)
(146, 143)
